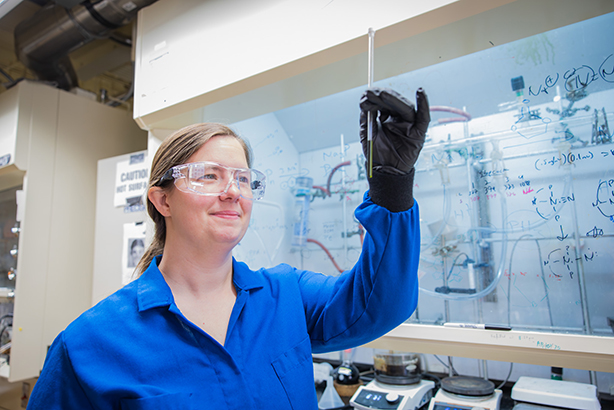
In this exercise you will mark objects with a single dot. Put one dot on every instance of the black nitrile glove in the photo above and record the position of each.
(398, 136)
(398, 133)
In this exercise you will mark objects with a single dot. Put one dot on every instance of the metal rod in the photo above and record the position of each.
(545, 238)
(370, 56)
(588, 328)
(370, 118)
(344, 202)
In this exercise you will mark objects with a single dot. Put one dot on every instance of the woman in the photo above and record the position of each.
(137, 248)
(199, 330)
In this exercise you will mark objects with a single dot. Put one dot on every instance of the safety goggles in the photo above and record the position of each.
(210, 178)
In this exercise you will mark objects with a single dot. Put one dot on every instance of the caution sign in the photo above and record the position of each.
(131, 180)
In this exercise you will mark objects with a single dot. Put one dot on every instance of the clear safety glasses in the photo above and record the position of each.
(210, 178)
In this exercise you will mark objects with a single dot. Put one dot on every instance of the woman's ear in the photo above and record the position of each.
(158, 197)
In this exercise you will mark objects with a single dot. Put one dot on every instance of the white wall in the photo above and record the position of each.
(60, 137)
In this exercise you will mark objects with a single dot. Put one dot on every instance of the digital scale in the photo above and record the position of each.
(533, 392)
(377, 395)
(466, 393)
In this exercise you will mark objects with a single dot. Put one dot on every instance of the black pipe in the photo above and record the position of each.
(44, 41)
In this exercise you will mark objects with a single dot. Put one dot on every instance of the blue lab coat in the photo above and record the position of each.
(135, 350)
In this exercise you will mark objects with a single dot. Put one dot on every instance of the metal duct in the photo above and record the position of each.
(44, 41)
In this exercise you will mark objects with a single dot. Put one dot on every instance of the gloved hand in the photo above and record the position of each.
(398, 136)
(398, 133)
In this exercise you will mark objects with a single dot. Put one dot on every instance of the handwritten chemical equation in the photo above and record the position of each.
(263, 224)
(545, 199)
(562, 261)
(277, 151)
(595, 232)
(335, 154)
(287, 175)
(329, 230)
(490, 191)
(577, 78)
(605, 198)
(570, 158)
(269, 136)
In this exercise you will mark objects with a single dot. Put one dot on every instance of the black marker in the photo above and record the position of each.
(477, 326)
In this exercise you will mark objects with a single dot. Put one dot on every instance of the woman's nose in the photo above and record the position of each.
(232, 189)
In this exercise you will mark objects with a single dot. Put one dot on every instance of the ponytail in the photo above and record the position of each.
(155, 248)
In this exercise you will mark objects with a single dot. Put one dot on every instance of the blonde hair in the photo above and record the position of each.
(176, 150)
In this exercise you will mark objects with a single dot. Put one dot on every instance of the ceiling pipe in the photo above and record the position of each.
(44, 41)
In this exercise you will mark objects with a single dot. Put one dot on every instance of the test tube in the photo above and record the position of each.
(370, 118)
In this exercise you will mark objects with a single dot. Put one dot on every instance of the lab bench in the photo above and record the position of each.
(507, 403)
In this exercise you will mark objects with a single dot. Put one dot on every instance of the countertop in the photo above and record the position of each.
(507, 403)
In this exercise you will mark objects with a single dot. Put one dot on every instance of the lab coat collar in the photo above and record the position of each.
(244, 278)
(153, 291)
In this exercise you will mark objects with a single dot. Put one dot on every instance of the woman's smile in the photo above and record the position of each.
(227, 214)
